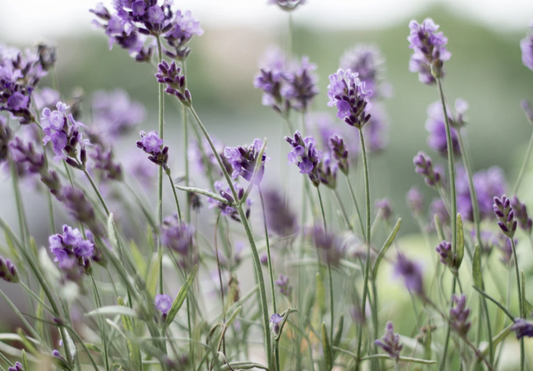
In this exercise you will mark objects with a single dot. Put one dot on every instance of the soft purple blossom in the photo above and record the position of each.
(228, 208)
(244, 159)
(390, 342)
(411, 273)
(176, 84)
(438, 208)
(16, 367)
(329, 245)
(284, 287)
(103, 160)
(522, 328)
(429, 50)
(340, 153)
(281, 219)
(447, 257)
(177, 235)
(72, 251)
(415, 201)
(459, 315)
(526, 45)
(275, 321)
(46, 97)
(152, 144)
(424, 167)
(305, 155)
(163, 303)
(436, 127)
(350, 96)
(367, 62)
(327, 171)
(384, 209)
(520, 211)
(134, 165)
(185, 26)
(8, 271)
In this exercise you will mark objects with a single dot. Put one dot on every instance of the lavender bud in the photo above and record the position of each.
(8, 271)
(80, 208)
(305, 155)
(522, 328)
(163, 303)
(283, 283)
(424, 167)
(447, 257)
(17, 367)
(524, 221)
(244, 160)
(329, 245)
(390, 342)
(384, 209)
(339, 152)
(152, 144)
(275, 321)
(459, 315)
(505, 215)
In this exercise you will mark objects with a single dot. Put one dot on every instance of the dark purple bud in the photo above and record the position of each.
(522, 328)
(8, 271)
(390, 342)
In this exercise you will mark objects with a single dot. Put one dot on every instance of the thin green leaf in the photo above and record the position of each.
(245, 365)
(338, 335)
(460, 242)
(327, 348)
(402, 359)
(320, 294)
(203, 192)
(113, 310)
(476, 268)
(127, 323)
(438, 227)
(25, 365)
(511, 317)
(111, 232)
(233, 316)
(180, 298)
(386, 245)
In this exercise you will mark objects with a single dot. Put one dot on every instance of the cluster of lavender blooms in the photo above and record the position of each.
(144, 260)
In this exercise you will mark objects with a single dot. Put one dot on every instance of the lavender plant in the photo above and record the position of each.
(120, 287)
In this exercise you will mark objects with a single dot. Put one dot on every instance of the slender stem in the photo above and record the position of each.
(321, 208)
(367, 241)
(161, 129)
(100, 197)
(102, 326)
(175, 194)
(448, 332)
(186, 153)
(524, 166)
(356, 205)
(242, 215)
(520, 304)
(343, 210)
(23, 222)
(220, 279)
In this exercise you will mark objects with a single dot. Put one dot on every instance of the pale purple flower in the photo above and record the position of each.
(305, 155)
(300, 85)
(438, 208)
(114, 114)
(384, 209)
(46, 97)
(350, 96)
(177, 235)
(526, 45)
(328, 244)
(227, 208)
(152, 144)
(429, 50)
(17, 367)
(71, 249)
(103, 160)
(327, 170)
(134, 165)
(281, 219)
(174, 79)
(415, 200)
(390, 342)
(436, 127)
(283, 283)
(424, 167)
(275, 321)
(163, 303)
(244, 159)
(411, 273)
(367, 62)
(185, 26)
(459, 315)
(8, 271)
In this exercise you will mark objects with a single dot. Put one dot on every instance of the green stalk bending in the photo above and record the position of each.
(242, 215)
(175, 194)
(160, 174)
(367, 242)
(520, 304)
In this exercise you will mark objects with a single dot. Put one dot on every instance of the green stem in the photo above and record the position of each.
(102, 325)
(343, 210)
(23, 222)
(161, 129)
(96, 190)
(175, 194)
(367, 241)
(186, 154)
(448, 332)
(520, 304)
(524, 166)
(356, 205)
(257, 262)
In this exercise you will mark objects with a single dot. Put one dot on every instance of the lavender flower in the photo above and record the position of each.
(526, 45)
(46, 97)
(349, 95)
(300, 86)
(264, 259)
(505, 215)
(488, 184)
(134, 165)
(177, 235)
(283, 283)
(384, 209)
(152, 144)
(275, 321)
(390, 342)
(163, 303)
(459, 315)
(411, 272)
(80, 208)
(520, 210)
(8, 271)
(429, 50)
(329, 245)
(287, 5)
(327, 171)
(202, 155)
(447, 257)
(522, 328)
(176, 84)
(185, 26)
(114, 114)
(244, 159)
(415, 201)
(64, 133)
(228, 208)
(365, 60)
(305, 155)
(73, 253)
(527, 110)
(5, 137)
(438, 208)
(281, 219)
(340, 153)
(103, 161)
(436, 127)
(17, 367)
(424, 167)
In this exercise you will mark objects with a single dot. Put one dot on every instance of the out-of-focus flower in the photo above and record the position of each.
(390, 342)
(103, 161)
(328, 244)
(8, 271)
(244, 160)
(438, 208)
(350, 96)
(436, 127)
(226, 193)
(415, 200)
(327, 171)
(411, 273)
(384, 209)
(16, 367)
(80, 208)
(520, 211)
(275, 321)
(284, 287)
(459, 315)
(522, 328)
(281, 219)
(340, 153)
(185, 26)
(447, 257)
(526, 45)
(305, 155)
(163, 303)
(366, 60)
(424, 167)
(177, 235)
(429, 50)
(46, 97)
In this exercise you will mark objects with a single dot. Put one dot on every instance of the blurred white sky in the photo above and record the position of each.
(27, 21)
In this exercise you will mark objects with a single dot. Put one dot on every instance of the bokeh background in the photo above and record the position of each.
(485, 70)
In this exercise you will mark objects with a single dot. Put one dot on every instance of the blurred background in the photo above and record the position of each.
(485, 69)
